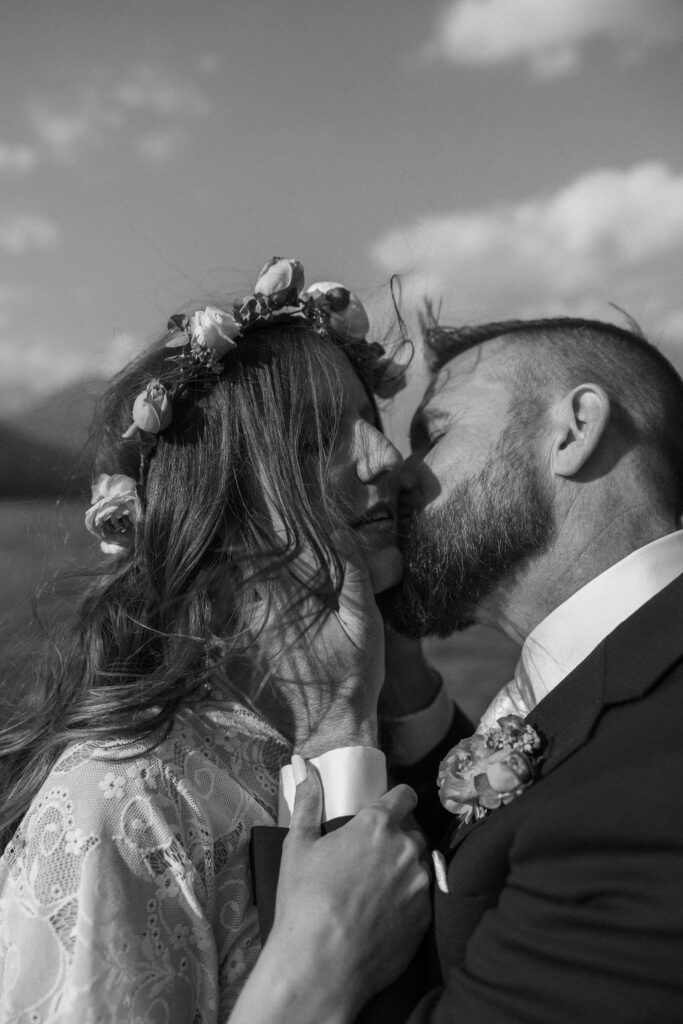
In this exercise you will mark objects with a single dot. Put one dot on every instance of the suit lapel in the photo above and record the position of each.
(566, 717)
(457, 833)
(624, 667)
(645, 647)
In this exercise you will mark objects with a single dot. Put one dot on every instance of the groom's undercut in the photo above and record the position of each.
(645, 391)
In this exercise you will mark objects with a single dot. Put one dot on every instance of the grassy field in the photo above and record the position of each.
(39, 539)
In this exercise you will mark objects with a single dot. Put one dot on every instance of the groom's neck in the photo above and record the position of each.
(584, 546)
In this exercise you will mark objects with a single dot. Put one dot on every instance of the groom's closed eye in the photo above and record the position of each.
(423, 434)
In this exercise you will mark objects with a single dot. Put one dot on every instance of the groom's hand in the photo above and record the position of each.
(352, 906)
(411, 683)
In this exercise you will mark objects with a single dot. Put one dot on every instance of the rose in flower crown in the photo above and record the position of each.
(282, 281)
(210, 333)
(489, 769)
(114, 513)
(277, 292)
(215, 329)
(346, 313)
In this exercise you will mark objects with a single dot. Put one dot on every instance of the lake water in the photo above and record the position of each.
(39, 539)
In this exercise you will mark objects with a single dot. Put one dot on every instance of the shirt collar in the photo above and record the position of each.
(568, 635)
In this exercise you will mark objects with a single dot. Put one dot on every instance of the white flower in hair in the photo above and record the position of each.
(215, 329)
(346, 313)
(114, 513)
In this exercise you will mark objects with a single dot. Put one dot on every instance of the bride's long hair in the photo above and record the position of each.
(232, 493)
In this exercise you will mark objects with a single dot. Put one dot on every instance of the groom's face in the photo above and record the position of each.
(481, 505)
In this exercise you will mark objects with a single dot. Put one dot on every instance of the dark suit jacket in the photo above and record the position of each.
(566, 905)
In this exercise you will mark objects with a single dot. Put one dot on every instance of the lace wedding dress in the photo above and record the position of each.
(125, 894)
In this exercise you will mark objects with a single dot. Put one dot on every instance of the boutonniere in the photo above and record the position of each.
(488, 769)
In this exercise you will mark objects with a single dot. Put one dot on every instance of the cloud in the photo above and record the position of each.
(609, 236)
(9, 299)
(123, 347)
(25, 232)
(147, 100)
(209, 63)
(64, 134)
(549, 34)
(150, 89)
(24, 379)
(28, 364)
(159, 146)
(16, 157)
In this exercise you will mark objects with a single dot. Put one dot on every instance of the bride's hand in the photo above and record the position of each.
(325, 665)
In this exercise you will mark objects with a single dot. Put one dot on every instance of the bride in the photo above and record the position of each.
(245, 496)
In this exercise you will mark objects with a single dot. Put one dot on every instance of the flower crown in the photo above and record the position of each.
(204, 338)
(200, 342)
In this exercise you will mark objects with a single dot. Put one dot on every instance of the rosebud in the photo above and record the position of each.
(347, 315)
(152, 410)
(281, 280)
(338, 298)
(215, 328)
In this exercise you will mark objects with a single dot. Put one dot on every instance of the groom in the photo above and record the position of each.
(548, 464)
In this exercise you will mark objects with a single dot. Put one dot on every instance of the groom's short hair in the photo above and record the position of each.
(645, 391)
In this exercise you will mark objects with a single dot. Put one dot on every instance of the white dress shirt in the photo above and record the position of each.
(568, 634)
(551, 651)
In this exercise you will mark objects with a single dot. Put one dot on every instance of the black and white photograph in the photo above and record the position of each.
(341, 512)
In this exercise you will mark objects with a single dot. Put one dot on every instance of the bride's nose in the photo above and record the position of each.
(375, 454)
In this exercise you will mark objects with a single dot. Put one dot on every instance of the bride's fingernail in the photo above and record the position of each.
(299, 769)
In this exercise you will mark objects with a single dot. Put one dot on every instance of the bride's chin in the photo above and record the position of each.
(385, 566)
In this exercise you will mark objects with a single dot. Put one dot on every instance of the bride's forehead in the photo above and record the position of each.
(348, 390)
(331, 356)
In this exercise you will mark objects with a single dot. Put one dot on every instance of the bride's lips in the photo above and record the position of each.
(378, 519)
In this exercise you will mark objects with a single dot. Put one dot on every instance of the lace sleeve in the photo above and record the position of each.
(125, 894)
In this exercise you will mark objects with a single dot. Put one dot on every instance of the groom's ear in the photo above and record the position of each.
(579, 420)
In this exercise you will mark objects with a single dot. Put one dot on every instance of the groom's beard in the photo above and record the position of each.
(456, 555)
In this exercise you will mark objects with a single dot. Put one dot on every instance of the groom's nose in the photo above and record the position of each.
(409, 478)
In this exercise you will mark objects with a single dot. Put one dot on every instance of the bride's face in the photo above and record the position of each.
(364, 480)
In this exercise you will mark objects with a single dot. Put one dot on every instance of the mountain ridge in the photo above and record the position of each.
(42, 448)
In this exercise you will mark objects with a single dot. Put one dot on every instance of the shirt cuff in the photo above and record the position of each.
(352, 778)
(411, 737)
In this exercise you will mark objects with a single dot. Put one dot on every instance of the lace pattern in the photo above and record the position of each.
(125, 893)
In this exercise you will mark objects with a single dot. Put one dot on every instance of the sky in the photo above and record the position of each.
(506, 157)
